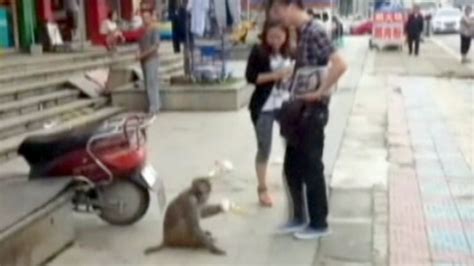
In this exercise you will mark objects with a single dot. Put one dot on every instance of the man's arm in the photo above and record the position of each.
(336, 66)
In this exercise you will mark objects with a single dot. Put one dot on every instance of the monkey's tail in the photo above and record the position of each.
(154, 249)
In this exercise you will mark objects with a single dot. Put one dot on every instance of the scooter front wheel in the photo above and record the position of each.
(123, 202)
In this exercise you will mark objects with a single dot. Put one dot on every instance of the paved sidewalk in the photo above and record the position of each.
(408, 151)
(431, 184)
(184, 145)
(399, 156)
(433, 61)
(430, 141)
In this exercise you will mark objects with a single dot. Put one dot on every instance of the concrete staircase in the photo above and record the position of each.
(35, 97)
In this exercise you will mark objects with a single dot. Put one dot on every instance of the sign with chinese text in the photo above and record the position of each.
(388, 26)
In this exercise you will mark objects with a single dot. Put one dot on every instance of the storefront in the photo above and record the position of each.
(20, 20)
(67, 14)
(97, 11)
(78, 20)
(8, 24)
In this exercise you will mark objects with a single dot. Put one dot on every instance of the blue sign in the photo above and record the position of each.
(6, 38)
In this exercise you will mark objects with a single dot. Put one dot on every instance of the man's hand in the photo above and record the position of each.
(312, 97)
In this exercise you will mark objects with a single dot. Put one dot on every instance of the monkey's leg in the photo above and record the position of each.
(210, 210)
(208, 242)
(192, 219)
(211, 246)
(209, 234)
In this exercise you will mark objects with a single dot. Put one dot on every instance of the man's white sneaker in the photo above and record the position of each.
(310, 233)
(291, 228)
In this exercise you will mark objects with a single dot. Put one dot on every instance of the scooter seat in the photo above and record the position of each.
(44, 148)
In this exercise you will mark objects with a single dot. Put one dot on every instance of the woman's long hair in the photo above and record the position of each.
(285, 50)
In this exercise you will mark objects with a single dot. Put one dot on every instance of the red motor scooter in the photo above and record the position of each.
(108, 163)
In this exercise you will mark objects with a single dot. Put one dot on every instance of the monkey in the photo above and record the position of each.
(181, 226)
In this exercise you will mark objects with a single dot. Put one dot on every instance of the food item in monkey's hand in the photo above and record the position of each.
(229, 206)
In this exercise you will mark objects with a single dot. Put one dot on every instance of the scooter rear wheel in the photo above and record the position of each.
(123, 202)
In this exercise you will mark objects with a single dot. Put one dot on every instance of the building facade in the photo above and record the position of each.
(20, 19)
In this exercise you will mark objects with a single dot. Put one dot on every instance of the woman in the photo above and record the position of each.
(467, 33)
(148, 57)
(110, 30)
(268, 67)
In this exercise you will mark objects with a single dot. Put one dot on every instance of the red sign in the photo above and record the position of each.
(388, 26)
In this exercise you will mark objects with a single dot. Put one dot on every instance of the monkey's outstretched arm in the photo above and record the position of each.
(211, 210)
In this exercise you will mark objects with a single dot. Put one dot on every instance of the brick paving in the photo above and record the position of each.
(431, 186)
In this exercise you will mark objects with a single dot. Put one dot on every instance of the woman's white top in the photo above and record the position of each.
(108, 26)
(280, 93)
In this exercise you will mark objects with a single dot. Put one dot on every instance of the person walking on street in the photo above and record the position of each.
(268, 67)
(413, 30)
(148, 57)
(467, 33)
(303, 165)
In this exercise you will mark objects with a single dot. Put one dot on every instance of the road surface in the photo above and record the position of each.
(450, 40)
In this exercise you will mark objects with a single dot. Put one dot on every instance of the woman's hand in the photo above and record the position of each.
(274, 76)
(283, 74)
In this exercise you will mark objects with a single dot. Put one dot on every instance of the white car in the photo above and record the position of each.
(427, 8)
(446, 20)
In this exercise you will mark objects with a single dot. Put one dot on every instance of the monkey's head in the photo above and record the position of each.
(201, 188)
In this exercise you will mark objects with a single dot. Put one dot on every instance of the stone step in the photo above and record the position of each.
(21, 77)
(60, 71)
(228, 96)
(34, 104)
(8, 147)
(170, 65)
(18, 125)
(24, 63)
(64, 61)
(170, 70)
(36, 221)
(31, 89)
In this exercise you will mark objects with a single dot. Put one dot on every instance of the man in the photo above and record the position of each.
(413, 30)
(72, 14)
(467, 33)
(304, 162)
